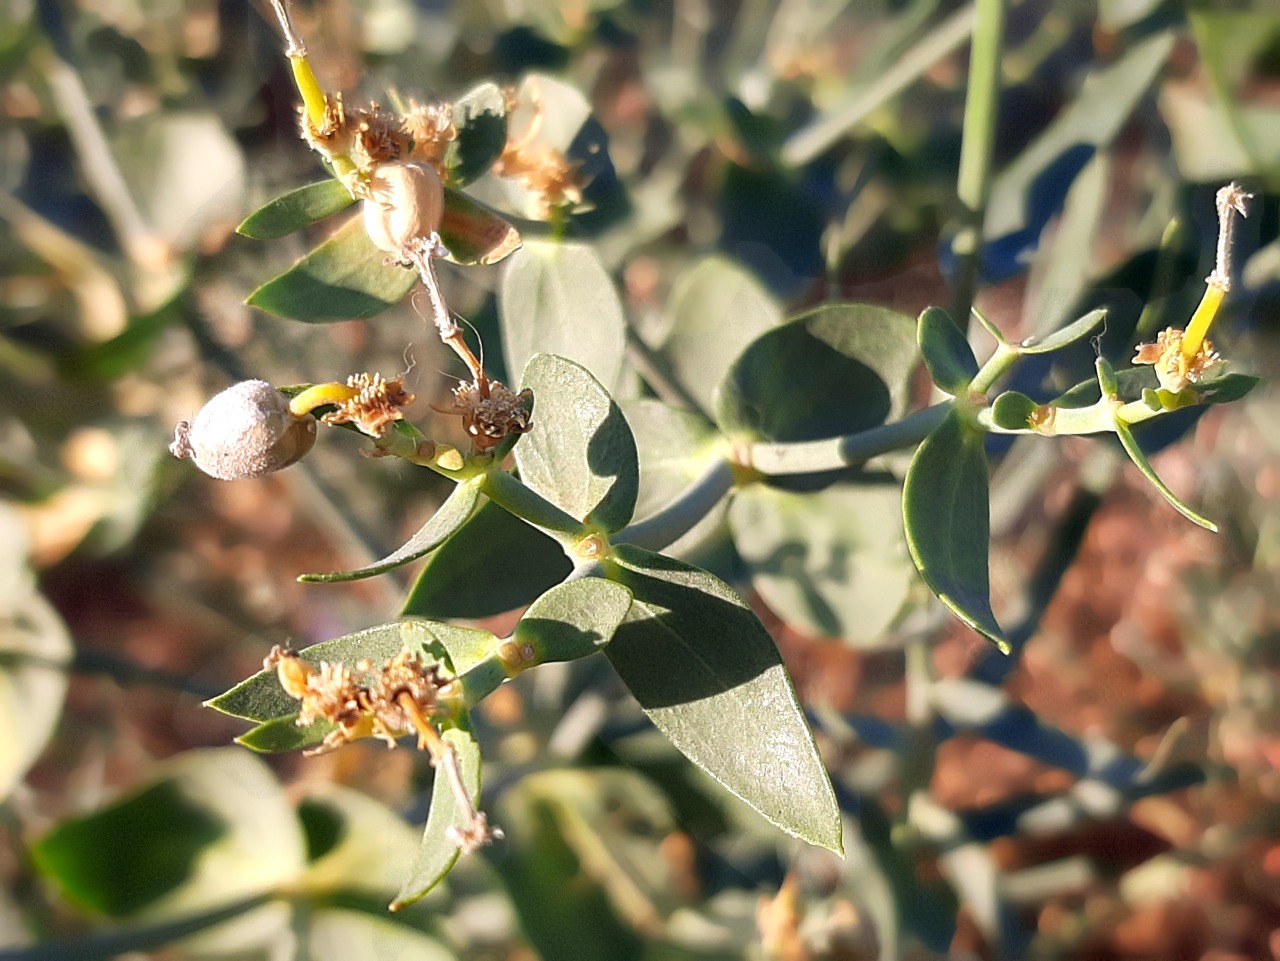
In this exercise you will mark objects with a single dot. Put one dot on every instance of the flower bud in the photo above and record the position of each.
(245, 431)
(404, 207)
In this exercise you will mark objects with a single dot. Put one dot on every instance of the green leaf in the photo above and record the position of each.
(282, 734)
(345, 278)
(581, 867)
(946, 351)
(831, 563)
(707, 673)
(1136, 455)
(453, 513)
(1224, 389)
(493, 564)
(1012, 411)
(1094, 118)
(474, 234)
(297, 209)
(715, 310)
(781, 388)
(438, 851)
(556, 298)
(573, 619)
(480, 116)
(261, 698)
(1065, 336)
(126, 856)
(946, 514)
(580, 454)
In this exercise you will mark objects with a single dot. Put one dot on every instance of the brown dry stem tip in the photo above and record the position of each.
(1230, 203)
(490, 417)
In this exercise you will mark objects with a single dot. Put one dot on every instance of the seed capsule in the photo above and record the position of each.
(245, 431)
(404, 207)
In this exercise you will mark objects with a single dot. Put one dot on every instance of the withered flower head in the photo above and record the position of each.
(545, 171)
(490, 418)
(430, 127)
(1174, 370)
(333, 135)
(326, 693)
(375, 407)
(403, 696)
(378, 137)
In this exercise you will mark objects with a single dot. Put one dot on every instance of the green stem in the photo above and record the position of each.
(996, 366)
(508, 492)
(973, 187)
(103, 947)
(660, 530)
(834, 453)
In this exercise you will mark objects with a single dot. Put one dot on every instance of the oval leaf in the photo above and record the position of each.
(299, 208)
(557, 299)
(707, 673)
(580, 454)
(493, 564)
(780, 389)
(1012, 411)
(715, 310)
(946, 351)
(345, 278)
(480, 116)
(573, 619)
(453, 513)
(473, 234)
(830, 563)
(945, 511)
(438, 851)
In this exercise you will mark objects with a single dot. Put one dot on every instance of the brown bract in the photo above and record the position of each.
(430, 128)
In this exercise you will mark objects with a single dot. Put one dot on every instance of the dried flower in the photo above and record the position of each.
(545, 171)
(245, 431)
(374, 407)
(490, 413)
(1174, 369)
(430, 128)
(331, 136)
(378, 137)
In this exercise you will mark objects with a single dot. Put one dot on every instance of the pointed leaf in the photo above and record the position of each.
(946, 514)
(707, 673)
(345, 278)
(946, 351)
(494, 563)
(474, 234)
(780, 389)
(453, 513)
(831, 563)
(439, 850)
(715, 310)
(557, 298)
(1136, 455)
(296, 209)
(1067, 335)
(573, 619)
(480, 116)
(580, 454)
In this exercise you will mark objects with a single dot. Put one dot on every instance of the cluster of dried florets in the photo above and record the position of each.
(490, 416)
(375, 407)
(1174, 369)
(398, 697)
(371, 136)
(550, 176)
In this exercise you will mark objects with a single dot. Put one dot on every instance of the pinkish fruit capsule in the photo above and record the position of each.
(404, 207)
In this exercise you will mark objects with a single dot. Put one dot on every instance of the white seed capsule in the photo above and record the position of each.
(245, 431)
(405, 207)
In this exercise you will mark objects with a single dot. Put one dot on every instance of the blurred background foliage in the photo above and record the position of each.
(1110, 793)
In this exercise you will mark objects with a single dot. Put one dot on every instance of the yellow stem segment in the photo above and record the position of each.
(1202, 320)
(314, 100)
(320, 395)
